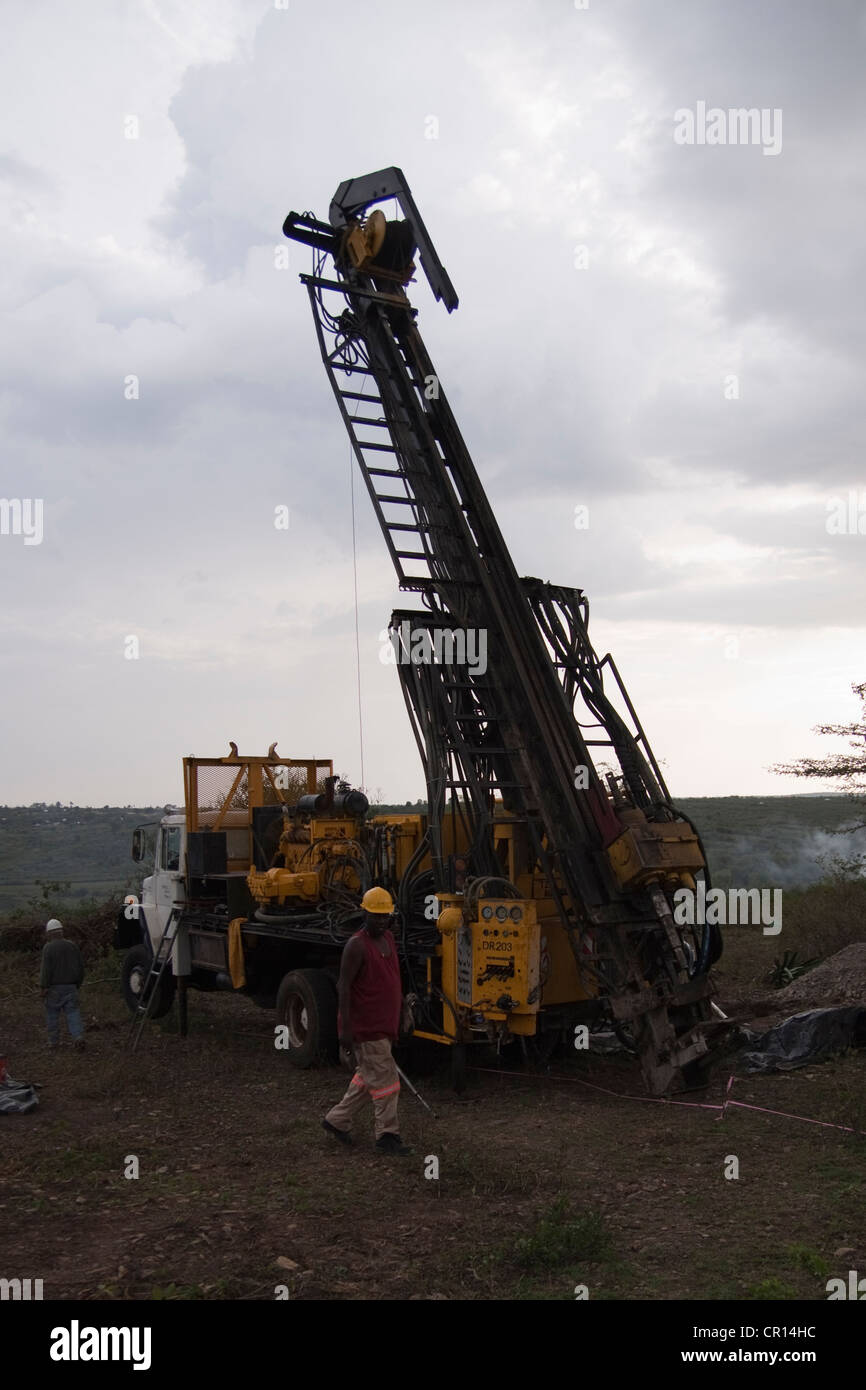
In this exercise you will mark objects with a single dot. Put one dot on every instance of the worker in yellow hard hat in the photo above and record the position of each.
(372, 1009)
(378, 902)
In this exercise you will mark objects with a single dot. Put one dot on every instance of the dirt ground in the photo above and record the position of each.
(839, 980)
(544, 1182)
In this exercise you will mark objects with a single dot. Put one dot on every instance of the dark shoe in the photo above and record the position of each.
(392, 1144)
(78, 1044)
(342, 1134)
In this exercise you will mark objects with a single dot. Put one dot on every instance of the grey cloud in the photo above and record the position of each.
(601, 387)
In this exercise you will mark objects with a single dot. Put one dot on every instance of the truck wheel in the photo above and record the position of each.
(307, 1005)
(136, 968)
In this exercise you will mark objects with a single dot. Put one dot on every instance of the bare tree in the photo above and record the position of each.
(848, 769)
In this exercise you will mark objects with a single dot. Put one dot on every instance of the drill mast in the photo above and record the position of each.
(515, 726)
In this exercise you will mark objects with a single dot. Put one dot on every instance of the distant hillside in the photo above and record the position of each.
(751, 841)
(82, 846)
(774, 841)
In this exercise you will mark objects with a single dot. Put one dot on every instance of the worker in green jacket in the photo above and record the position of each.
(62, 973)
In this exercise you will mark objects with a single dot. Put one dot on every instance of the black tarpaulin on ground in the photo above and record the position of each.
(17, 1097)
(813, 1036)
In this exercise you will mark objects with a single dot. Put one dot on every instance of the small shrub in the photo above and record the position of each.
(770, 1289)
(559, 1239)
(788, 969)
(810, 1260)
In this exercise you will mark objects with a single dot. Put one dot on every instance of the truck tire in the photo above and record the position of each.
(136, 967)
(307, 1005)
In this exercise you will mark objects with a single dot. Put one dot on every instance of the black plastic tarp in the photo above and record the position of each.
(808, 1037)
(17, 1097)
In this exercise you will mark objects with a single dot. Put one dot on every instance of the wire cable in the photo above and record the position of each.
(357, 627)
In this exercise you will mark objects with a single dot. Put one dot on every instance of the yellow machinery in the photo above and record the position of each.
(538, 890)
(278, 853)
(507, 696)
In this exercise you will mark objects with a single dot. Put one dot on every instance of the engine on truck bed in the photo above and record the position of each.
(319, 856)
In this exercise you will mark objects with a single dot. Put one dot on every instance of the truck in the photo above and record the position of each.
(253, 889)
(536, 897)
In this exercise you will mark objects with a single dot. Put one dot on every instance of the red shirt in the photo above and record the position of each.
(376, 994)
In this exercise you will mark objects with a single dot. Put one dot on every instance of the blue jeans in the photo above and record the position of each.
(63, 999)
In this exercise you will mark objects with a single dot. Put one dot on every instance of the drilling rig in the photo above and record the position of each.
(535, 898)
(551, 844)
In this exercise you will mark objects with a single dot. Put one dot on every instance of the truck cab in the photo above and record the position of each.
(164, 890)
(144, 922)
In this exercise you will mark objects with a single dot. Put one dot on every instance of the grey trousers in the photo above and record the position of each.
(63, 999)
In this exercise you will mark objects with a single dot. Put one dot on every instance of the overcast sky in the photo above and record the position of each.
(668, 334)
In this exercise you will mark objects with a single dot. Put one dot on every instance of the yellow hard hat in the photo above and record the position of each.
(378, 900)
